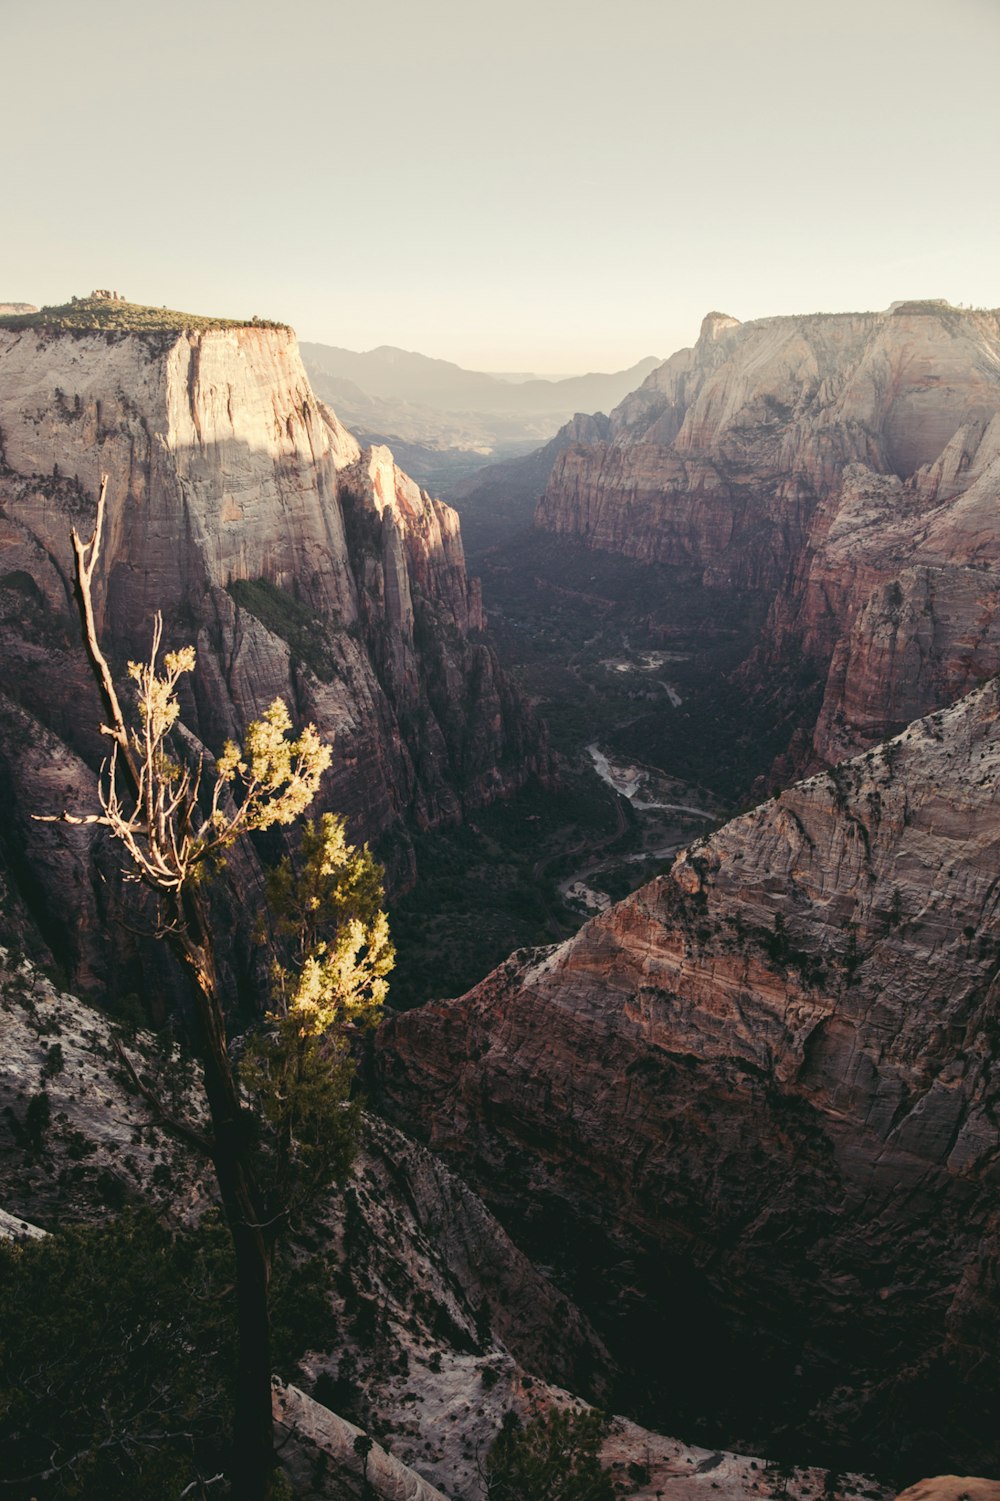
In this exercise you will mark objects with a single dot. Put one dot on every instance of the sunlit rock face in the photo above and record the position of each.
(846, 464)
(751, 1110)
(299, 566)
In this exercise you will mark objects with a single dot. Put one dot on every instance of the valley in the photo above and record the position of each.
(678, 742)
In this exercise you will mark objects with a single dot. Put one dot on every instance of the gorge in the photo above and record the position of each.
(725, 1159)
(298, 566)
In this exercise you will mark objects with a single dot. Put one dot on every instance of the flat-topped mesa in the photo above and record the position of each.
(818, 459)
(298, 566)
(764, 1087)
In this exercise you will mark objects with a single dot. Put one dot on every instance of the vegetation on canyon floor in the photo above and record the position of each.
(550, 1458)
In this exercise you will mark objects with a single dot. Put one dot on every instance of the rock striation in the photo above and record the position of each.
(299, 566)
(443, 1324)
(755, 1107)
(847, 466)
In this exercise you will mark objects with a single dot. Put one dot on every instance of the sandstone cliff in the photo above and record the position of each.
(759, 1101)
(443, 1324)
(299, 566)
(847, 465)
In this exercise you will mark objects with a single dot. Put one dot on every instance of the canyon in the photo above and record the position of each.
(726, 1159)
(444, 422)
(299, 565)
(748, 1115)
(844, 467)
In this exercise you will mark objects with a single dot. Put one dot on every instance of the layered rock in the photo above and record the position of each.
(845, 464)
(758, 1099)
(299, 566)
(443, 1325)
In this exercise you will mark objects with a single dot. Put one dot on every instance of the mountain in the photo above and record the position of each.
(500, 500)
(396, 374)
(443, 1327)
(750, 1113)
(300, 566)
(447, 422)
(845, 465)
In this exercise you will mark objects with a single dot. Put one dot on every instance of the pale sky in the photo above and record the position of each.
(530, 185)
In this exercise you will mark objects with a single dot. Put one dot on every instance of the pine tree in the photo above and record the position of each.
(175, 818)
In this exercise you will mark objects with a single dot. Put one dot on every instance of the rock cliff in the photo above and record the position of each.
(759, 1101)
(845, 464)
(299, 566)
(443, 1325)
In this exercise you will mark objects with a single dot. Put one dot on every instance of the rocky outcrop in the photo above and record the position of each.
(759, 1100)
(299, 566)
(499, 501)
(441, 1319)
(845, 465)
(328, 1459)
(443, 1325)
(953, 1488)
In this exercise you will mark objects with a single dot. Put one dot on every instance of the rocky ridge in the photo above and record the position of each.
(758, 1099)
(443, 1324)
(844, 464)
(299, 566)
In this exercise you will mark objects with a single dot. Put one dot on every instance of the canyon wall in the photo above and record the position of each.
(752, 1110)
(299, 566)
(846, 464)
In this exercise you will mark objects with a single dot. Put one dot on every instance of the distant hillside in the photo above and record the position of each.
(448, 422)
(390, 374)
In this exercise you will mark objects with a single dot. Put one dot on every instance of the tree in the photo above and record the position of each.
(552, 1458)
(99, 1394)
(324, 906)
(175, 818)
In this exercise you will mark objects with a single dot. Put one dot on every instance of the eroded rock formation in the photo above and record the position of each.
(753, 1109)
(848, 465)
(299, 566)
(443, 1325)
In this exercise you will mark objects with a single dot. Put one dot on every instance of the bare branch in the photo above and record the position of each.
(86, 555)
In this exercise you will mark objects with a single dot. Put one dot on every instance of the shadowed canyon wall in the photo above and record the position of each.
(298, 565)
(847, 464)
(752, 1110)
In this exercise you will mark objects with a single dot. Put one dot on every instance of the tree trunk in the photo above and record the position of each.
(252, 1465)
(252, 1468)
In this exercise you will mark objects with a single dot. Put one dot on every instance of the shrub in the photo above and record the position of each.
(552, 1458)
(117, 1346)
(107, 315)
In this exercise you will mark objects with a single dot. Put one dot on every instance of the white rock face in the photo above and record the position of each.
(308, 1434)
(12, 1228)
(843, 465)
(299, 567)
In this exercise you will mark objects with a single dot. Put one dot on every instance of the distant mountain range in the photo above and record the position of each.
(445, 422)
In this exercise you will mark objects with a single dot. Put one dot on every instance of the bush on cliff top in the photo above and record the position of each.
(109, 315)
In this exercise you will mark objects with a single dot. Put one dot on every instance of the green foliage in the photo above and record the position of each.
(99, 1394)
(37, 1118)
(102, 314)
(165, 832)
(552, 1458)
(329, 980)
(116, 1348)
(55, 1062)
(285, 616)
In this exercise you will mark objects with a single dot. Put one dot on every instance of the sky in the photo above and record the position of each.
(533, 185)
